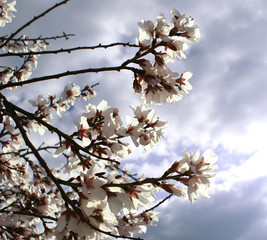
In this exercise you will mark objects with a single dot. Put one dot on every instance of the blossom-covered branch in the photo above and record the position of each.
(75, 186)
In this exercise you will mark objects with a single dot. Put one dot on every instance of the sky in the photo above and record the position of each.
(226, 110)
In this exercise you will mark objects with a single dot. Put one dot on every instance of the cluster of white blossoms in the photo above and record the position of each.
(156, 81)
(46, 105)
(24, 72)
(194, 170)
(6, 9)
(108, 207)
(101, 130)
(90, 195)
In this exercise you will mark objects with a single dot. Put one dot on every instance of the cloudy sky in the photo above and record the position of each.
(225, 111)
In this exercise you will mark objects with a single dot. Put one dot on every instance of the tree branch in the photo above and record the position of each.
(68, 50)
(67, 73)
(31, 21)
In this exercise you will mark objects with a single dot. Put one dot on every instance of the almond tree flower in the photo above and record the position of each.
(183, 85)
(182, 82)
(174, 48)
(178, 20)
(144, 40)
(145, 34)
(7, 124)
(143, 114)
(147, 131)
(150, 138)
(200, 167)
(66, 222)
(180, 166)
(91, 184)
(71, 94)
(154, 89)
(73, 168)
(32, 62)
(112, 121)
(13, 144)
(147, 26)
(91, 188)
(88, 92)
(142, 195)
(120, 149)
(9, 75)
(198, 186)
(134, 131)
(44, 110)
(6, 75)
(65, 146)
(162, 28)
(36, 126)
(5, 15)
(177, 191)
(192, 33)
(69, 97)
(61, 106)
(103, 120)
(184, 27)
(21, 76)
(99, 215)
(133, 222)
(84, 131)
(118, 199)
(159, 84)
(157, 95)
(40, 103)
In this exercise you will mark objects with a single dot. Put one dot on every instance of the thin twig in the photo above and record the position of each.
(65, 35)
(159, 203)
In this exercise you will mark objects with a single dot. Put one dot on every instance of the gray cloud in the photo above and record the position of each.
(238, 214)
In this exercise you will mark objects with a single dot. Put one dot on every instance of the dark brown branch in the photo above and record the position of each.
(68, 50)
(155, 181)
(67, 73)
(31, 21)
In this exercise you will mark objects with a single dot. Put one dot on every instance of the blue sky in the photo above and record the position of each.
(225, 111)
